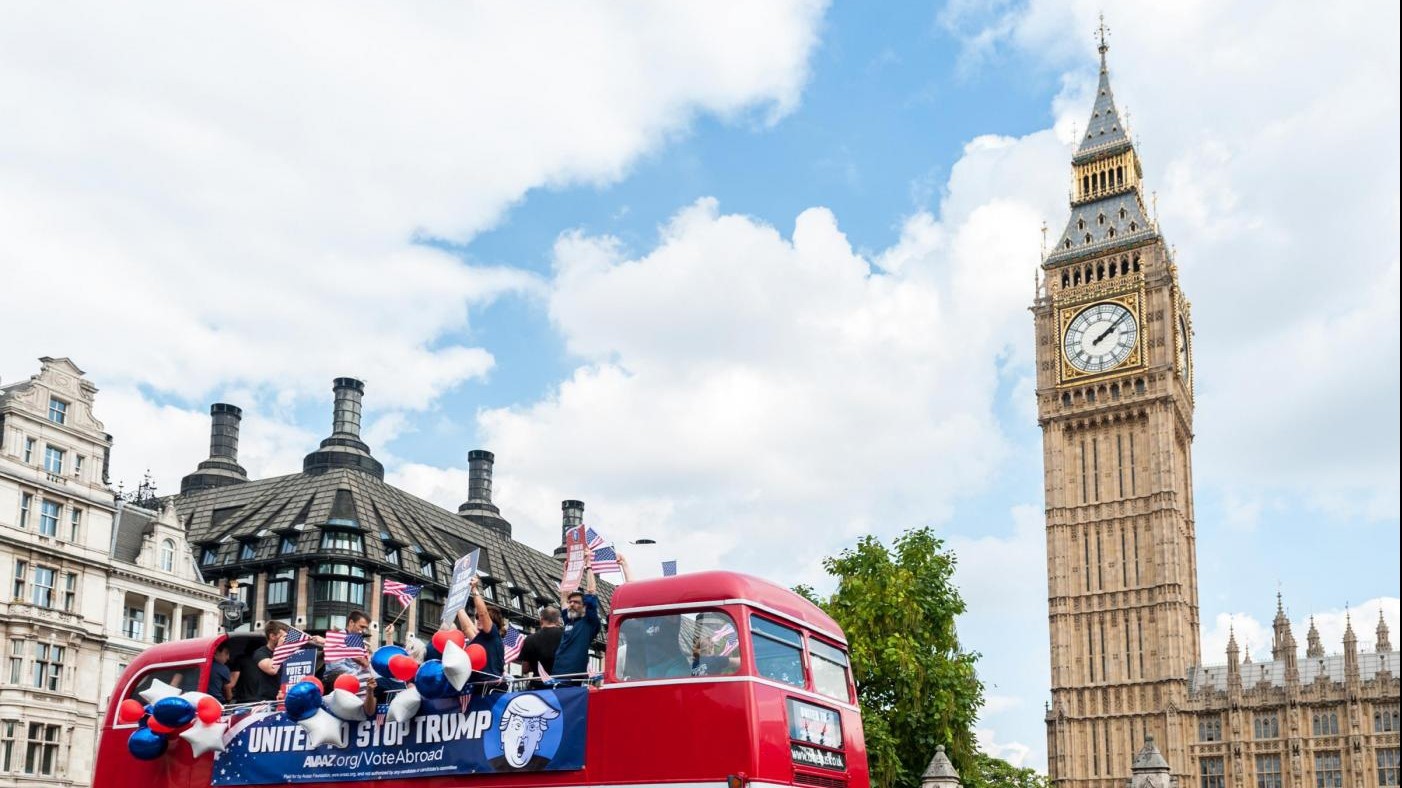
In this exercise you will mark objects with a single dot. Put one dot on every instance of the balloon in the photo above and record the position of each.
(403, 667)
(303, 700)
(209, 710)
(381, 658)
(457, 666)
(348, 682)
(154, 725)
(173, 711)
(130, 711)
(205, 737)
(345, 705)
(146, 744)
(405, 705)
(431, 682)
(477, 655)
(322, 728)
(314, 681)
(443, 637)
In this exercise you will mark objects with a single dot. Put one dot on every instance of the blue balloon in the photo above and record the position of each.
(430, 681)
(173, 712)
(146, 744)
(380, 659)
(302, 701)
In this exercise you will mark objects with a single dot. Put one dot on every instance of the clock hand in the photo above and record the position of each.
(1107, 331)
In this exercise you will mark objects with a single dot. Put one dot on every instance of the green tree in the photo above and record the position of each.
(990, 772)
(916, 686)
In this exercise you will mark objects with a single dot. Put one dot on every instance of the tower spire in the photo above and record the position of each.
(1103, 33)
(1383, 644)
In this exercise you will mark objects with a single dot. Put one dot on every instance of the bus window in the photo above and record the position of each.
(778, 651)
(829, 670)
(181, 678)
(677, 645)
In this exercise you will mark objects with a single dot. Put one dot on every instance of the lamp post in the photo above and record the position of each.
(232, 608)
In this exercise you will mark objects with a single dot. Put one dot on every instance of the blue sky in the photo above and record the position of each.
(751, 281)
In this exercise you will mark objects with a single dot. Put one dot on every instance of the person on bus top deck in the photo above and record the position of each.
(707, 659)
(357, 623)
(489, 629)
(221, 680)
(258, 680)
(538, 652)
(581, 627)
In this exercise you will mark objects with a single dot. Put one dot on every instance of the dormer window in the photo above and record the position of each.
(342, 541)
(1100, 220)
(248, 551)
(286, 545)
(58, 410)
(1123, 214)
(1080, 224)
(392, 555)
(1087, 237)
(208, 556)
(426, 569)
(1133, 226)
(1110, 232)
(1068, 243)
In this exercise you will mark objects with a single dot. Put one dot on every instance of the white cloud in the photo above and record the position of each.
(198, 199)
(1014, 752)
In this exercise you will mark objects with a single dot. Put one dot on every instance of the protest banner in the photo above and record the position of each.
(464, 569)
(575, 545)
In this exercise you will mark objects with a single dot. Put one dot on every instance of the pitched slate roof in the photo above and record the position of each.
(133, 524)
(303, 506)
(1330, 668)
(1105, 130)
(1124, 224)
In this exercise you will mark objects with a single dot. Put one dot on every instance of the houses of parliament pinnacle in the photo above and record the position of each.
(1114, 350)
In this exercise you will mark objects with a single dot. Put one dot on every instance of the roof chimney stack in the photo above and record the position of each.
(573, 516)
(222, 467)
(344, 449)
(479, 507)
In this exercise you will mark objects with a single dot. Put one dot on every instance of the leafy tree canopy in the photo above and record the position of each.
(916, 686)
(991, 772)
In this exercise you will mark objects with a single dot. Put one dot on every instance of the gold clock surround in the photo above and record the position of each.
(1067, 312)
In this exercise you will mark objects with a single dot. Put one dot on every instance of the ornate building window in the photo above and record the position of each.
(16, 663)
(42, 753)
(28, 450)
(1325, 723)
(8, 744)
(343, 541)
(167, 555)
(75, 524)
(1387, 766)
(42, 587)
(1268, 771)
(26, 502)
(134, 623)
(48, 667)
(1328, 770)
(1212, 773)
(160, 627)
(1267, 726)
(70, 591)
(48, 518)
(58, 410)
(1210, 728)
(53, 460)
(1385, 719)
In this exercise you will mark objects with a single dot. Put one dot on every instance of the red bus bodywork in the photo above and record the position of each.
(694, 730)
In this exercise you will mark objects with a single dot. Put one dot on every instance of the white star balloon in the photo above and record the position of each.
(346, 705)
(456, 666)
(158, 689)
(322, 728)
(205, 737)
(404, 706)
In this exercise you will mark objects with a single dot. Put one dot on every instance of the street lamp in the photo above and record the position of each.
(232, 607)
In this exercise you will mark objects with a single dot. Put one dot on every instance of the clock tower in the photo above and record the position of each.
(1115, 403)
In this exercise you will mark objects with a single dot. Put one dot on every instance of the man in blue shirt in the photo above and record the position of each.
(582, 625)
(221, 680)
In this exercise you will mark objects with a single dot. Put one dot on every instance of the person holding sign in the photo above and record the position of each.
(582, 625)
(490, 622)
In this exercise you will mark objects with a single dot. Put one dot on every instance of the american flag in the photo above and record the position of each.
(669, 568)
(512, 640)
(602, 557)
(401, 591)
(291, 643)
(343, 645)
(731, 642)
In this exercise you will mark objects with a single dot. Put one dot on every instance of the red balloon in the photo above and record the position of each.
(157, 727)
(348, 683)
(476, 655)
(403, 667)
(316, 681)
(443, 636)
(209, 710)
(130, 711)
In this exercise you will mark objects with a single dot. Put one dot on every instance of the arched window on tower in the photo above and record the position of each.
(1136, 262)
(1124, 265)
(1085, 185)
(1111, 232)
(1077, 277)
(1100, 220)
(1119, 176)
(1100, 271)
(1113, 269)
(1087, 237)
(1065, 279)
(1123, 214)
(1080, 224)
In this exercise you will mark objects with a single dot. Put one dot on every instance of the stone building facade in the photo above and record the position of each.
(308, 548)
(56, 515)
(1115, 403)
(89, 578)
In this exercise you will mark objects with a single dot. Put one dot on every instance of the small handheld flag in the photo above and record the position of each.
(292, 642)
(402, 591)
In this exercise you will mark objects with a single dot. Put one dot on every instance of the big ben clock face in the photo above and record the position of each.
(1100, 337)
(1184, 357)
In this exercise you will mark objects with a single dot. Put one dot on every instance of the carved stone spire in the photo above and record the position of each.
(1383, 643)
(1233, 664)
(1315, 648)
(940, 773)
(1351, 675)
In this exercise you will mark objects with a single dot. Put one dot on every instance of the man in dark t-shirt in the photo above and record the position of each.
(259, 679)
(539, 649)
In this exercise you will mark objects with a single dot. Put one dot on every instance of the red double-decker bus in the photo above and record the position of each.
(709, 679)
